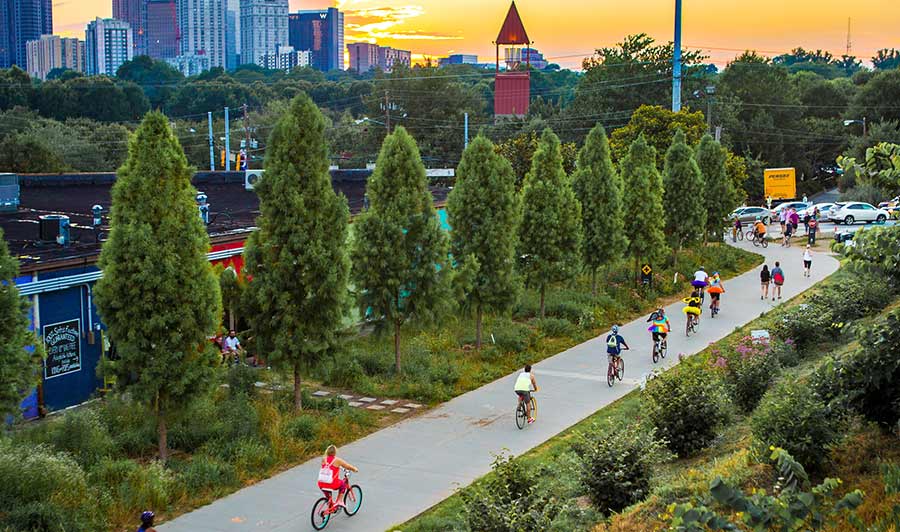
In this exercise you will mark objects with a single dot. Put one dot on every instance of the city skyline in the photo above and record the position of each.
(567, 32)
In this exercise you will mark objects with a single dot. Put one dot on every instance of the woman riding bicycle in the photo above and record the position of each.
(715, 290)
(759, 229)
(659, 325)
(693, 306)
(329, 474)
(525, 384)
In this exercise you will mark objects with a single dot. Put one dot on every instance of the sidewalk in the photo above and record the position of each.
(408, 467)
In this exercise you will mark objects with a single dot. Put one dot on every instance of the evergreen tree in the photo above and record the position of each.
(684, 197)
(599, 189)
(158, 296)
(550, 234)
(297, 260)
(232, 287)
(484, 211)
(642, 200)
(400, 252)
(720, 193)
(17, 370)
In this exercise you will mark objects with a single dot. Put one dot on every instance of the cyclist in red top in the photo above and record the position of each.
(332, 464)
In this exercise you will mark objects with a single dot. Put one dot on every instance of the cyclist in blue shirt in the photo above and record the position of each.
(615, 343)
(147, 522)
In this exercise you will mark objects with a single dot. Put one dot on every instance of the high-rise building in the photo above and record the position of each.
(53, 51)
(285, 58)
(22, 21)
(107, 44)
(363, 56)
(134, 12)
(322, 33)
(231, 39)
(459, 59)
(389, 57)
(201, 24)
(161, 36)
(264, 28)
(190, 64)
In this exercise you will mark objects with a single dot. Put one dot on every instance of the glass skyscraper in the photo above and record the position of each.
(22, 21)
(322, 33)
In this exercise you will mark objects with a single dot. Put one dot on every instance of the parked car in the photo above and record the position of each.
(749, 214)
(823, 209)
(856, 211)
(798, 205)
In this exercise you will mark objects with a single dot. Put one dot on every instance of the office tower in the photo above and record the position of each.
(389, 57)
(201, 24)
(107, 44)
(161, 36)
(264, 28)
(53, 51)
(134, 12)
(231, 39)
(363, 56)
(22, 21)
(285, 58)
(322, 33)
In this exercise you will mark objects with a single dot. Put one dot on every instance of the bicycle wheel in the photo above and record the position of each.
(533, 408)
(687, 325)
(353, 500)
(521, 418)
(620, 368)
(663, 347)
(740, 235)
(655, 353)
(610, 375)
(320, 515)
(765, 243)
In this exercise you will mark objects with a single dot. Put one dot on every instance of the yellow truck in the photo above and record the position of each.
(780, 183)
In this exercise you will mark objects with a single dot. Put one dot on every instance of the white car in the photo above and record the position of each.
(856, 211)
(799, 206)
(823, 209)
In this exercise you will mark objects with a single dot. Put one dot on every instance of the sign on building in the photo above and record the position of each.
(62, 342)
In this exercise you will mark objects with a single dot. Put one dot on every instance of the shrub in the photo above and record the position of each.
(566, 309)
(615, 464)
(374, 361)
(136, 486)
(511, 337)
(555, 327)
(686, 408)
(805, 324)
(785, 352)
(197, 425)
(252, 457)
(748, 370)
(302, 428)
(241, 379)
(859, 293)
(792, 417)
(345, 373)
(238, 419)
(131, 425)
(203, 472)
(83, 435)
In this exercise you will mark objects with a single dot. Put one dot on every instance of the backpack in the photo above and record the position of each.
(778, 277)
(612, 341)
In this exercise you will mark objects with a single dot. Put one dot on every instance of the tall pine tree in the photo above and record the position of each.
(550, 233)
(297, 260)
(17, 369)
(399, 254)
(599, 189)
(720, 193)
(158, 296)
(484, 211)
(684, 198)
(642, 203)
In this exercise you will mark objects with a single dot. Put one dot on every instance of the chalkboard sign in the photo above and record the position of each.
(62, 342)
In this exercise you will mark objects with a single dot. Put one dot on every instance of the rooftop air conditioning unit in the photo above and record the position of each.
(251, 178)
(54, 228)
(9, 192)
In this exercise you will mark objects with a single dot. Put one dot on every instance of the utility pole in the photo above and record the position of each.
(387, 111)
(849, 42)
(466, 130)
(676, 61)
(227, 142)
(247, 135)
(212, 150)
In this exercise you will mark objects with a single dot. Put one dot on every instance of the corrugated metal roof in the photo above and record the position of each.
(512, 31)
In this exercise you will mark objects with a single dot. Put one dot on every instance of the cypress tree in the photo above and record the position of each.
(720, 193)
(158, 296)
(550, 233)
(599, 189)
(484, 211)
(642, 201)
(297, 260)
(400, 252)
(17, 370)
(684, 198)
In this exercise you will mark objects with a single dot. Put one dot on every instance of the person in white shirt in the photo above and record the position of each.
(807, 261)
(701, 281)
(231, 345)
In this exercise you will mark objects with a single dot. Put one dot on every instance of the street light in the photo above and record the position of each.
(708, 93)
(863, 122)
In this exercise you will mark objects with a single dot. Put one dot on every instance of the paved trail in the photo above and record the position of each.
(410, 466)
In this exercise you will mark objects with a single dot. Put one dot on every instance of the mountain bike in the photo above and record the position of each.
(522, 415)
(756, 240)
(325, 507)
(615, 370)
(659, 349)
(736, 234)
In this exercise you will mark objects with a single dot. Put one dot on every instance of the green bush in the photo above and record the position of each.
(132, 426)
(785, 352)
(136, 486)
(303, 427)
(196, 426)
(242, 379)
(374, 361)
(686, 408)
(857, 293)
(345, 373)
(555, 327)
(805, 324)
(238, 419)
(748, 369)
(615, 464)
(203, 472)
(252, 457)
(511, 337)
(566, 309)
(792, 417)
(84, 436)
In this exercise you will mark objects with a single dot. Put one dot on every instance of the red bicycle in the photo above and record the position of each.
(325, 507)
(615, 370)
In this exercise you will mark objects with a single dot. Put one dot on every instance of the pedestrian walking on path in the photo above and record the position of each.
(778, 279)
(807, 261)
(765, 278)
(811, 231)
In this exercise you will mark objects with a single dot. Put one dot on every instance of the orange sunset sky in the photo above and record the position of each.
(567, 30)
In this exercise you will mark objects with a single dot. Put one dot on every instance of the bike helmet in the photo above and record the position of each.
(757, 218)
(147, 518)
(615, 329)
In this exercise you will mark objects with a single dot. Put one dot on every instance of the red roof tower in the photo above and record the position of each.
(512, 89)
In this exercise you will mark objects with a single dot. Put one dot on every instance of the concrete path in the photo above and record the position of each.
(408, 467)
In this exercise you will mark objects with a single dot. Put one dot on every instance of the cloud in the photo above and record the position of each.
(374, 23)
